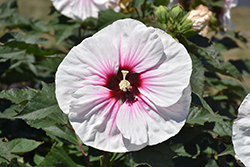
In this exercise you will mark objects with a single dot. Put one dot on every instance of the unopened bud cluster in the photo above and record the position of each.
(177, 21)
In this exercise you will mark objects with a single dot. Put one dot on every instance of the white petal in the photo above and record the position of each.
(63, 6)
(164, 85)
(241, 132)
(100, 2)
(140, 48)
(131, 122)
(82, 9)
(93, 116)
(142, 122)
(90, 62)
(225, 17)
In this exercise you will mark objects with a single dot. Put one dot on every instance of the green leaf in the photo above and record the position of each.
(199, 115)
(63, 31)
(211, 163)
(5, 151)
(137, 3)
(22, 145)
(228, 151)
(223, 128)
(202, 48)
(11, 111)
(5, 9)
(29, 39)
(40, 123)
(225, 68)
(8, 53)
(49, 63)
(17, 95)
(14, 163)
(158, 155)
(57, 117)
(237, 88)
(39, 26)
(204, 104)
(107, 17)
(179, 149)
(33, 49)
(56, 125)
(38, 159)
(219, 3)
(197, 77)
(62, 132)
(58, 157)
(43, 104)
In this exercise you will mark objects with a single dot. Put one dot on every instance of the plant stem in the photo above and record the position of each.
(106, 159)
(80, 145)
(84, 156)
(70, 127)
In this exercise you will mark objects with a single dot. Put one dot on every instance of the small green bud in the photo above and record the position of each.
(161, 14)
(176, 12)
(186, 25)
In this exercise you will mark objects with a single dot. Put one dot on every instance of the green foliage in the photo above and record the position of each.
(5, 151)
(107, 17)
(57, 156)
(159, 155)
(35, 132)
(17, 96)
(19, 145)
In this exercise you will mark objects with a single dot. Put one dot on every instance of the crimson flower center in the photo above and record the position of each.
(124, 85)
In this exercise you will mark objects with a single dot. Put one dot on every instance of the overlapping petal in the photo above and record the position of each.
(155, 107)
(144, 122)
(241, 132)
(85, 65)
(165, 83)
(139, 46)
(82, 9)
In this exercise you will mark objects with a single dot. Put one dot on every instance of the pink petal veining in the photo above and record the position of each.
(152, 110)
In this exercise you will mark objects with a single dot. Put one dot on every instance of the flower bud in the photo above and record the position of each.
(199, 18)
(161, 14)
(176, 12)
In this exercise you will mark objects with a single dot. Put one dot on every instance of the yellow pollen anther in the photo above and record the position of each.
(124, 84)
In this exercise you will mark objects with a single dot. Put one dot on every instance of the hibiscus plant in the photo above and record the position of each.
(122, 83)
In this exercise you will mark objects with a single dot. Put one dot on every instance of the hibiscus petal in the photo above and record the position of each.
(93, 116)
(131, 122)
(164, 85)
(225, 17)
(241, 132)
(143, 122)
(90, 62)
(63, 6)
(140, 48)
(80, 9)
